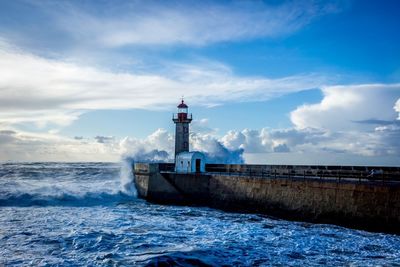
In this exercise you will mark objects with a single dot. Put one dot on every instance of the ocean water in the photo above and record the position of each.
(84, 214)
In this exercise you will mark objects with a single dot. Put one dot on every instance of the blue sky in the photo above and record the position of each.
(283, 81)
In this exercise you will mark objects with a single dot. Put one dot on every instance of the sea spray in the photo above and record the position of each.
(137, 151)
(61, 184)
(127, 177)
(215, 150)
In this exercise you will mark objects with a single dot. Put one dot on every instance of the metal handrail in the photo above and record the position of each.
(337, 173)
(320, 174)
(175, 116)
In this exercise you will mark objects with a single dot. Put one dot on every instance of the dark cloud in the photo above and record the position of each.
(7, 137)
(7, 132)
(104, 139)
(333, 150)
(375, 122)
(281, 148)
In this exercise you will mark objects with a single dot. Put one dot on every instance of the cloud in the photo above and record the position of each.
(397, 107)
(7, 132)
(157, 147)
(58, 92)
(122, 23)
(300, 146)
(201, 126)
(353, 119)
(103, 139)
(382, 141)
(23, 146)
(281, 148)
(375, 122)
(215, 150)
(7, 136)
(343, 107)
(270, 140)
(257, 141)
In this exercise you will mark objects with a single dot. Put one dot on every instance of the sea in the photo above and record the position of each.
(87, 214)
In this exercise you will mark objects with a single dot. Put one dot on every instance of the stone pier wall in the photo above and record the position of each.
(358, 205)
(367, 205)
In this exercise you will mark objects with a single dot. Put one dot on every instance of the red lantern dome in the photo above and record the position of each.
(182, 105)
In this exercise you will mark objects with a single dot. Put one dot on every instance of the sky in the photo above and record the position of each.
(268, 82)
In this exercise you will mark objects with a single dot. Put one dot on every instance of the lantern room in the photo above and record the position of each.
(182, 115)
(182, 107)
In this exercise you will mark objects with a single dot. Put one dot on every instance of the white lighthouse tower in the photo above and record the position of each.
(182, 120)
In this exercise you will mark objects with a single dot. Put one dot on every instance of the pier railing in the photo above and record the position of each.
(321, 172)
(339, 173)
(175, 116)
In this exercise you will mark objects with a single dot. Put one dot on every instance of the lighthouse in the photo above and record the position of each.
(182, 120)
(185, 161)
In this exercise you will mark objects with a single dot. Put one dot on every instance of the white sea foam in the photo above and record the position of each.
(58, 184)
(127, 177)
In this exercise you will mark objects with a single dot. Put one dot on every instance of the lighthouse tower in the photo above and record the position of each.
(182, 120)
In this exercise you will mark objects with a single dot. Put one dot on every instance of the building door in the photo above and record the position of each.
(198, 164)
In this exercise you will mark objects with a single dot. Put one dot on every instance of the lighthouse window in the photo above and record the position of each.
(185, 144)
(185, 129)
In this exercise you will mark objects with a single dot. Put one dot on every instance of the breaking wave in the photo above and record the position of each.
(61, 184)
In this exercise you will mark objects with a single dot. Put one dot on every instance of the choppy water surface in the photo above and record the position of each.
(76, 215)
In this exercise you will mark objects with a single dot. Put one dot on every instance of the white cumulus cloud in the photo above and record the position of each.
(397, 107)
(349, 107)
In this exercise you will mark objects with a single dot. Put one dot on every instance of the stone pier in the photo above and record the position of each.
(356, 197)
